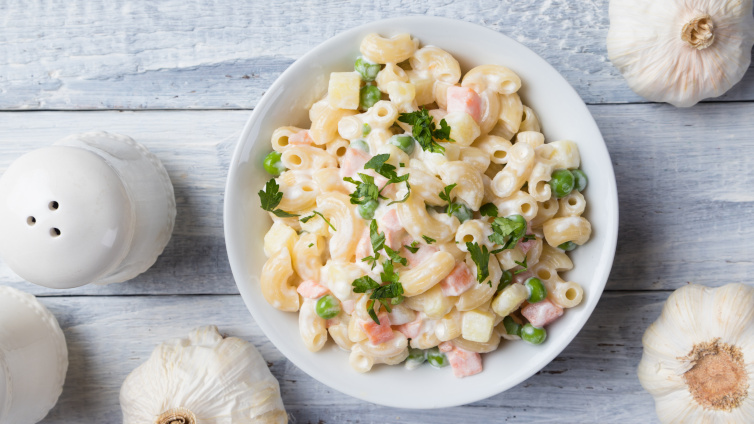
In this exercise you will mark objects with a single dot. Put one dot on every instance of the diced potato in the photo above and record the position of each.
(279, 236)
(423, 85)
(463, 129)
(343, 90)
(509, 299)
(476, 325)
(401, 93)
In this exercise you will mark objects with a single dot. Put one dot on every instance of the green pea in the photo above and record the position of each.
(403, 142)
(328, 307)
(580, 179)
(561, 183)
(366, 69)
(436, 358)
(366, 210)
(532, 334)
(366, 129)
(568, 246)
(505, 280)
(517, 218)
(360, 144)
(462, 212)
(537, 290)
(415, 358)
(272, 163)
(512, 327)
(368, 96)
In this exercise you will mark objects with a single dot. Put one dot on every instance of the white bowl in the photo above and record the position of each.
(563, 116)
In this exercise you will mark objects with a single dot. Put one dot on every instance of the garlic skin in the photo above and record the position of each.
(698, 359)
(205, 379)
(680, 51)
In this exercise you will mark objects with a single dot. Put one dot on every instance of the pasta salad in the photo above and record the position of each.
(421, 217)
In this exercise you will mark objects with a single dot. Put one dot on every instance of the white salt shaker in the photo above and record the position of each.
(33, 358)
(92, 208)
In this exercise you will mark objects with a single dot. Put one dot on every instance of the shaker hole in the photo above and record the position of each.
(31, 220)
(55, 232)
(54, 205)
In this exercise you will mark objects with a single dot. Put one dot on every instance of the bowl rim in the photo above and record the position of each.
(605, 260)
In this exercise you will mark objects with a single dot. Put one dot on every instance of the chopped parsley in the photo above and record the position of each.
(270, 198)
(523, 265)
(445, 195)
(310, 244)
(425, 131)
(394, 256)
(429, 240)
(488, 209)
(366, 189)
(307, 218)
(413, 248)
(378, 242)
(481, 257)
(378, 163)
(507, 232)
(388, 294)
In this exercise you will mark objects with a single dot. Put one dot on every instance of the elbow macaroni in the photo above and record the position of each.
(498, 159)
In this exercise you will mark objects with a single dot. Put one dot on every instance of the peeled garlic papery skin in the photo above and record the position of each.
(681, 51)
(698, 359)
(205, 379)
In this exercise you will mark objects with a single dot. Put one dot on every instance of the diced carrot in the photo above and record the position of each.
(301, 137)
(541, 313)
(311, 290)
(411, 329)
(424, 252)
(446, 347)
(391, 225)
(378, 333)
(464, 362)
(458, 281)
(464, 99)
(353, 162)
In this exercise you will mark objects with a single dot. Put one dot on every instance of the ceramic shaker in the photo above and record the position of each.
(92, 208)
(33, 358)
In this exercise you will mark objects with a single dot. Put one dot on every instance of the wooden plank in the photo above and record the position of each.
(684, 182)
(225, 54)
(592, 381)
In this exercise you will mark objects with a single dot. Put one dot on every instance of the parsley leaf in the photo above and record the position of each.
(481, 257)
(413, 248)
(270, 197)
(307, 218)
(445, 195)
(425, 131)
(488, 209)
(429, 240)
(524, 266)
(507, 232)
(366, 189)
(395, 257)
(378, 242)
(364, 284)
(378, 163)
(310, 244)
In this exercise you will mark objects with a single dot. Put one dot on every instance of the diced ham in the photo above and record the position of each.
(541, 313)
(311, 290)
(411, 329)
(526, 246)
(464, 99)
(353, 162)
(458, 281)
(300, 138)
(378, 333)
(424, 252)
(522, 276)
(364, 247)
(348, 306)
(391, 225)
(464, 362)
(446, 347)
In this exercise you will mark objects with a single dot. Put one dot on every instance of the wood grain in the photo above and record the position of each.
(592, 381)
(684, 182)
(224, 54)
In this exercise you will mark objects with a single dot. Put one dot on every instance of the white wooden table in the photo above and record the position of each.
(181, 77)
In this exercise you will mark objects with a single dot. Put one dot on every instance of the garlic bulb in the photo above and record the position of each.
(680, 51)
(205, 379)
(698, 358)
